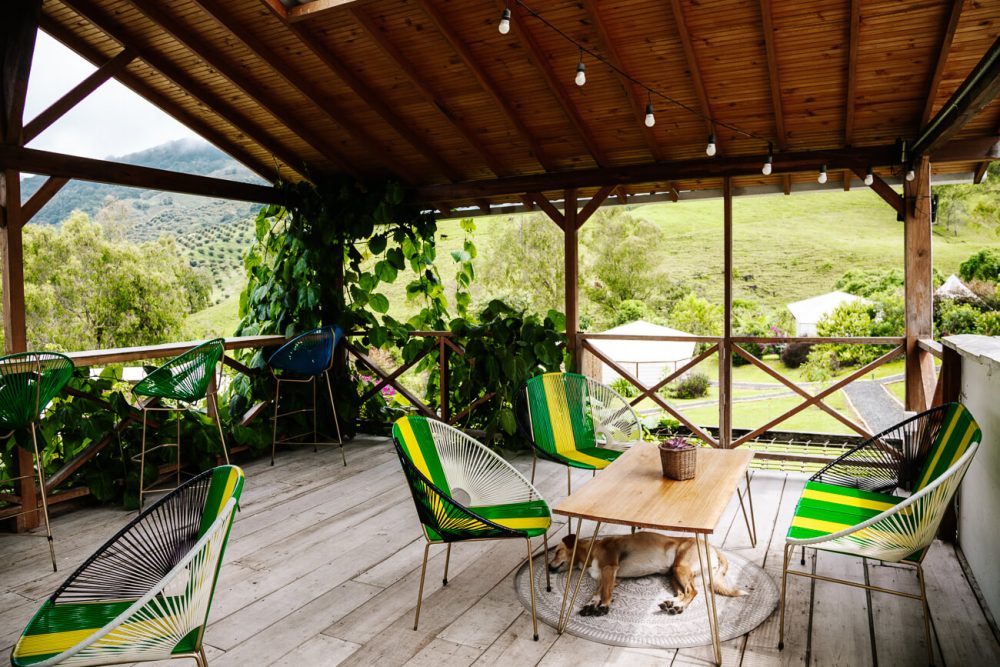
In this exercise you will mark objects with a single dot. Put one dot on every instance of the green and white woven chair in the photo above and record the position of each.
(463, 491)
(575, 421)
(850, 506)
(145, 595)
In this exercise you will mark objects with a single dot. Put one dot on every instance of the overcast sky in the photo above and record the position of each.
(112, 121)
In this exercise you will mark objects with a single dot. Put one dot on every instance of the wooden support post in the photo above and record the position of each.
(951, 391)
(918, 287)
(443, 379)
(571, 257)
(725, 348)
(18, 29)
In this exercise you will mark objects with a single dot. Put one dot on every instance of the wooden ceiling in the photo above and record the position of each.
(430, 92)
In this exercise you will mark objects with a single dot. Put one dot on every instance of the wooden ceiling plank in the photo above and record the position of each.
(42, 196)
(141, 88)
(58, 109)
(694, 69)
(854, 29)
(486, 82)
(188, 84)
(421, 83)
(611, 52)
(767, 26)
(118, 173)
(942, 59)
(542, 65)
(373, 100)
(215, 59)
(314, 8)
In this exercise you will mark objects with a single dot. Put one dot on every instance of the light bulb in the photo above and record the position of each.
(710, 148)
(504, 26)
(650, 119)
(822, 174)
(769, 162)
(869, 176)
(767, 168)
(910, 174)
(581, 74)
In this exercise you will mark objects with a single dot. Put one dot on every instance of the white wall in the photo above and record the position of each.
(979, 495)
(805, 328)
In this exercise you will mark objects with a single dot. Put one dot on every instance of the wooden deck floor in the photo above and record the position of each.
(323, 564)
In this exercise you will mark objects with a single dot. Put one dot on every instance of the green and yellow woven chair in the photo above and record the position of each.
(853, 505)
(573, 420)
(463, 491)
(186, 379)
(145, 595)
(28, 382)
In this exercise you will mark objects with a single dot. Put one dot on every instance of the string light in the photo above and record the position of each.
(869, 176)
(770, 160)
(910, 173)
(710, 148)
(504, 26)
(650, 119)
(581, 71)
(822, 174)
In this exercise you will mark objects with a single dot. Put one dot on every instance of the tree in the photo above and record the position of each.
(695, 315)
(524, 265)
(86, 289)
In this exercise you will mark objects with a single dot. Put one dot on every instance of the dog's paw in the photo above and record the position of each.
(601, 610)
(587, 610)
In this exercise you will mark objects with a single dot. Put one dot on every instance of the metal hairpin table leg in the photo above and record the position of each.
(565, 612)
(750, 521)
(709, 588)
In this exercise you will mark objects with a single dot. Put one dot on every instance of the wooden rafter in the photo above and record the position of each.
(486, 83)
(611, 53)
(767, 26)
(980, 172)
(57, 109)
(548, 208)
(42, 196)
(542, 65)
(694, 69)
(595, 202)
(71, 41)
(421, 83)
(852, 69)
(942, 59)
(409, 134)
(166, 67)
(217, 60)
(883, 190)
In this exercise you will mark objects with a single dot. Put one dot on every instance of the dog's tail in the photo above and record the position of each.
(721, 587)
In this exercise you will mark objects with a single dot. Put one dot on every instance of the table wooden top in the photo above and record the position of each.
(633, 491)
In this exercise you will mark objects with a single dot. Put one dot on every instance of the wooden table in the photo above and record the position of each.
(633, 492)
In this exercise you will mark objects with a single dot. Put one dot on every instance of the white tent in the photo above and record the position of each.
(809, 312)
(648, 360)
(953, 288)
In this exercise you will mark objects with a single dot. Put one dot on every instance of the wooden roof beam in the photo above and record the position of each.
(942, 60)
(767, 26)
(421, 83)
(694, 70)
(17, 37)
(486, 82)
(409, 134)
(42, 196)
(556, 86)
(852, 70)
(980, 172)
(73, 42)
(638, 104)
(975, 93)
(883, 190)
(188, 84)
(215, 59)
(58, 109)
(118, 173)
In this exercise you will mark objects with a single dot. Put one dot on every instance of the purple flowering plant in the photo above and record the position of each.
(676, 443)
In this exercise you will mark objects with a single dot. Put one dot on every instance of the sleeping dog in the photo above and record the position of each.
(639, 555)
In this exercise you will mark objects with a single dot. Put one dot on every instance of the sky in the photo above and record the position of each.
(112, 121)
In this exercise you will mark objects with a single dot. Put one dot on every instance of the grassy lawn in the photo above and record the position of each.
(757, 413)
(218, 320)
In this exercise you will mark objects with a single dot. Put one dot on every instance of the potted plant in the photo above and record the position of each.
(678, 458)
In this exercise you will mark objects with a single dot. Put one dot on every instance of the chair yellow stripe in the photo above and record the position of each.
(817, 524)
(838, 499)
(228, 492)
(580, 457)
(413, 447)
(970, 430)
(562, 427)
(930, 467)
(524, 523)
(57, 642)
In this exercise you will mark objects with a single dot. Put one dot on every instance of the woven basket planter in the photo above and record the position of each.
(678, 464)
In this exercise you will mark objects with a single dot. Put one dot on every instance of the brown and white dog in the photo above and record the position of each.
(639, 555)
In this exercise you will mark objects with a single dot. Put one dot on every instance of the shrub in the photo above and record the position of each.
(989, 323)
(795, 354)
(984, 265)
(694, 385)
(956, 318)
(624, 387)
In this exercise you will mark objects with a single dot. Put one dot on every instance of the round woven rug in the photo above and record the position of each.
(635, 618)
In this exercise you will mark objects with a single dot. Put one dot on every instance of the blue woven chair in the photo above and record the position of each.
(304, 359)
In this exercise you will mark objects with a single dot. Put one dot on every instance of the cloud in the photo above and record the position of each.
(112, 121)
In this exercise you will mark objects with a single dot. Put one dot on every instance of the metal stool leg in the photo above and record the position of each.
(142, 459)
(312, 383)
(40, 467)
(222, 438)
(336, 422)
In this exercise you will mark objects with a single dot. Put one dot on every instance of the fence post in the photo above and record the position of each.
(443, 369)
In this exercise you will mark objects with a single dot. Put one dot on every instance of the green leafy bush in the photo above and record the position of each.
(955, 318)
(693, 385)
(625, 388)
(989, 323)
(984, 265)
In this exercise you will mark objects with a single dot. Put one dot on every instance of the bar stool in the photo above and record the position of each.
(304, 359)
(28, 381)
(186, 378)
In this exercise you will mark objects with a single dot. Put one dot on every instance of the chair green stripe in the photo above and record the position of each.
(541, 424)
(958, 433)
(561, 422)
(418, 442)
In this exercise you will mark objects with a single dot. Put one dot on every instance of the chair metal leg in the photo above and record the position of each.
(447, 560)
(802, 561)
(336, 422)
(548, 581)
(569, 481)
(177, 470)
(534, 460)
(927, 614)
(531, 584)
(142, 459)
(315, 417)
(40, 467)
(420, 591)
(274, 425)
(781, 602)
(200, 658)
(222, 438)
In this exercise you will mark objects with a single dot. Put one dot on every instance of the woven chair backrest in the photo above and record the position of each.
(28, 381)
(559, 408)
(957, 433)
(185, 377)
(309, 353)
(417, 443)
